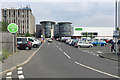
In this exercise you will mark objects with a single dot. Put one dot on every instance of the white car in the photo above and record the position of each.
(83, 44)
(34, 42)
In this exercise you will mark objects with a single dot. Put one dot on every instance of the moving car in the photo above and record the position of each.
(24, 45)
(50, 40)
(83, 44)
(99, 42)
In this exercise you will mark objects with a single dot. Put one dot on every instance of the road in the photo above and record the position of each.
(59, 60)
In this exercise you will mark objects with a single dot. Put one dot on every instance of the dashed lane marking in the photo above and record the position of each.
(108, 74)
(9, 74)
(99, 52)
(97, 55)
(20, 72)
(67, 55)
(20, 76)
(20, 68)
(9, 77)
(60, 49)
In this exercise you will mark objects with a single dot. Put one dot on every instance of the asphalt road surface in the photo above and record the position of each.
(59, 60)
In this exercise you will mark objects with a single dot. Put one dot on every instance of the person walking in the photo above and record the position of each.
(112, 47)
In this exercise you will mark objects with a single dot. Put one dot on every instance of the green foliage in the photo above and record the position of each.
(91, 36)
(5, 54)
(85, 34)
(3, 26)
(28, 35)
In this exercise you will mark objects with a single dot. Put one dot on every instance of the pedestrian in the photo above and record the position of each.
(112, 47)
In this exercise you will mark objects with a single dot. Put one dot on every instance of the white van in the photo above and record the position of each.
(34, 42)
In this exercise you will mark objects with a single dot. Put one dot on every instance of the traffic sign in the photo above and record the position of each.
(12, 28)
(116, 34)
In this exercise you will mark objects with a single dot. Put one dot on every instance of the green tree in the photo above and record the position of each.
(28, 35)
(3, 26)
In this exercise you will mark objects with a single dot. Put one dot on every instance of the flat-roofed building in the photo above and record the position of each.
(65, 29)
(23, 17)
(48, 29)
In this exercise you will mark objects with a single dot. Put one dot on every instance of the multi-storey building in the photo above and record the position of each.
(65, 29)
(48, 29)
(23, 17)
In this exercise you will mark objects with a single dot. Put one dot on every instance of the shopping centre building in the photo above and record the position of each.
(93, 32)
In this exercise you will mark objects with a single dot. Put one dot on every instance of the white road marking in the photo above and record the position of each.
(108, 74)
(59, 43)
(117, 67)
(97, 55)
(88, 52)
(60, 49)
(57, 46)
(20, 68)
(67, 55)
(8, 77)
(48, 43)
(99, 52)
(93, 53)
(9, 74)
(20, 76)
(20, 72)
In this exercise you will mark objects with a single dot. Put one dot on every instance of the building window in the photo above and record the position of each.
(18, 13)
(9, 13)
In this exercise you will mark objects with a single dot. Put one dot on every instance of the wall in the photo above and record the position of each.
(7, 42)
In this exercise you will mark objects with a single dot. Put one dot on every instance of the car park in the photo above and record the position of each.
(83, 44)
(24, 45)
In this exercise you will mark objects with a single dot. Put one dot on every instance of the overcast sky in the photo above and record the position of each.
(94, 13)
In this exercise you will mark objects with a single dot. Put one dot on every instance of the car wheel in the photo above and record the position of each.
(90, 46)
(27, 48)
(34, 45)
(79, 46)
(76, 46)
(104, 44)
(94, 44)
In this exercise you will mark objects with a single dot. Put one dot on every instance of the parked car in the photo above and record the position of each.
(70, 42)
(67, 41)
(83, 44)
(24, 45)
(74, 42)
(30, 39)
(50, 40)
(99, 42)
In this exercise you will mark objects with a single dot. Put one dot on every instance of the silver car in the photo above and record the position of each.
(83, 44)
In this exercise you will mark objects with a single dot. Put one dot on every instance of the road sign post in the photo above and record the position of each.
(13, 28)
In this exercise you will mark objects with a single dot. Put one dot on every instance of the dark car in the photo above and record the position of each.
(24, 45)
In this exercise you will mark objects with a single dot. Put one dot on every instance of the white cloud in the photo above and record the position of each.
(99, 20)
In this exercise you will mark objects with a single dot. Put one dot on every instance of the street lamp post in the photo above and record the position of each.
(116, 25)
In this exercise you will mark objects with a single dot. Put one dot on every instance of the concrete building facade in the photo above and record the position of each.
(23, 17)
(48, 29)
(39, 30)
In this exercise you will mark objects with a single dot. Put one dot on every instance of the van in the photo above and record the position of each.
(34, 42)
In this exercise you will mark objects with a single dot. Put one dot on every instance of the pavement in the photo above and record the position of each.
(19, 57)
(111, 55)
